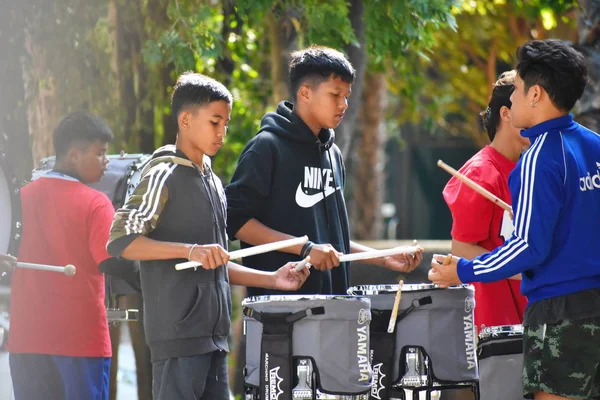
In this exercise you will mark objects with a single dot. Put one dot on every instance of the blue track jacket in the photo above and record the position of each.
(555, 191)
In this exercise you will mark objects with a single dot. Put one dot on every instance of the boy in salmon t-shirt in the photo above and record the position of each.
(59, 342)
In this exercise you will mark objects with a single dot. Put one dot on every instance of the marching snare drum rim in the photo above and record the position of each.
(139, 160)
(372, 290)
(293, 297)
(500, 331)
(136, 167)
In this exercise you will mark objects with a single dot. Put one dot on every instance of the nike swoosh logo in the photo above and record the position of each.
(308, 200)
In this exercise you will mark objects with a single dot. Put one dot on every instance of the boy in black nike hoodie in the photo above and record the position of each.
(179, 202)
(290, 178)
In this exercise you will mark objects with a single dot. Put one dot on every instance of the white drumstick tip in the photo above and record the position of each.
(70, 270)
(304, 263)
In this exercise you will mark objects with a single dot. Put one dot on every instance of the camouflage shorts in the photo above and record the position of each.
(563, 359)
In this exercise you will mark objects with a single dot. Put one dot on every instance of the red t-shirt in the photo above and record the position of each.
(478, 220)
(64, 222)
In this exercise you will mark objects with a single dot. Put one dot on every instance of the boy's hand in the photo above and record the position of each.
(287, 278)
(403, 262)
(443, 271)
(211, 256)
(324, 256)
(7, 263)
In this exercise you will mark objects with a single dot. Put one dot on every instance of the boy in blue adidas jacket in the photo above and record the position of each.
(555, 245)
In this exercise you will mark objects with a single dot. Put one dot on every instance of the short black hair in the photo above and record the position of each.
(557, 67)
(193, 89)
(318, 64)
(500, 97)
(79, 129)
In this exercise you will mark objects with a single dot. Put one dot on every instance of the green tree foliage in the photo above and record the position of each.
(209, 37)
(451, 84)
(75, 52)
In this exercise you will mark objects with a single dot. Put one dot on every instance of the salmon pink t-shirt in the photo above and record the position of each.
(478, 220)
(64, 222)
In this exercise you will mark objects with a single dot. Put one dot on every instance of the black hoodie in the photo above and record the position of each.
(292, 182)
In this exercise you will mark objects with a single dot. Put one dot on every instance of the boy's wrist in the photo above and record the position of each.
(186, 250)
(306, 248)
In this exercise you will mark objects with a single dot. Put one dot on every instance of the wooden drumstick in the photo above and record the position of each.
(68, 270)
(448, 259)
(366, 255)
(467, 181)
(394, 315)
(250, 251)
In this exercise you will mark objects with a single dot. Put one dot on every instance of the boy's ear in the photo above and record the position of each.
(73, 154)
(304, 92)
(183, 119)
(535, 93)
(505, 113)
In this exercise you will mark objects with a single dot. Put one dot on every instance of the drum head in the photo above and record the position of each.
(9, 211)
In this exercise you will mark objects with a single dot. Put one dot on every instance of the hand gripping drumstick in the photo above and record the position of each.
(251, 251)
(485, 193)
(394, 315)
(68, 270)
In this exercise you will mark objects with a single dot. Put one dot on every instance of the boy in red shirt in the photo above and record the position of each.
(478, 224)
(59, 341)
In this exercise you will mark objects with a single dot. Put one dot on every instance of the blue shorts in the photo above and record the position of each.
(42, 376)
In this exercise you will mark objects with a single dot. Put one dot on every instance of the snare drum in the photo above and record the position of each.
(500, 354)
(434, 332)
(330, 350)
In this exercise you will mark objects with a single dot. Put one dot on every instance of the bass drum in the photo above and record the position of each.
(10, 208)
(10, 233)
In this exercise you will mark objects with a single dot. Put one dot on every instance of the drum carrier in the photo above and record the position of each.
(433, 344)
(500, 354)
(307, 347)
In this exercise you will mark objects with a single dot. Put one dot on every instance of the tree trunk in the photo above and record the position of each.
(283, 38)
(368, 175)
(225, 64)
(588, 108)
(123, 19)
(346, 132)
(169, 121)
(13, 116)
(42, 101)
(114, 39)
(145, 110)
